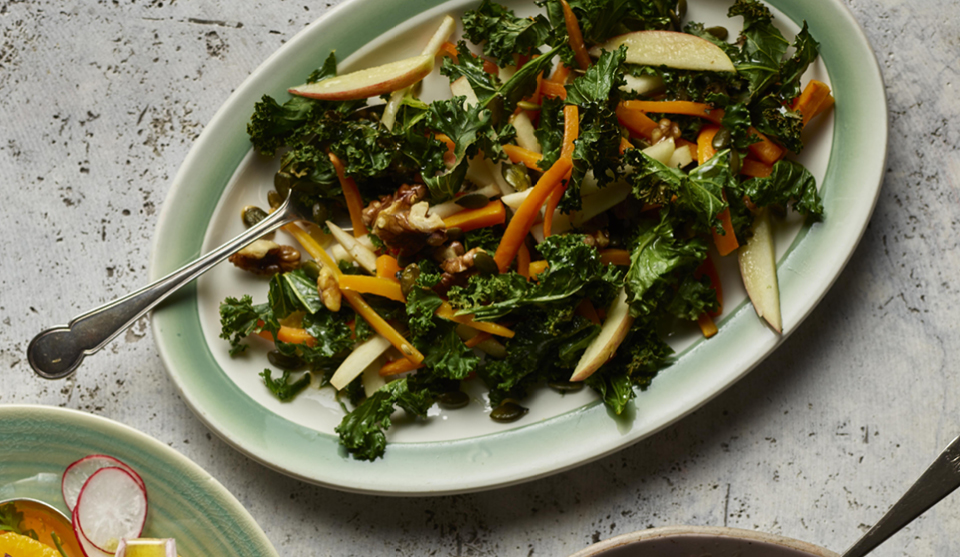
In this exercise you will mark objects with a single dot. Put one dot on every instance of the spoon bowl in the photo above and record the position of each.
(45, 520)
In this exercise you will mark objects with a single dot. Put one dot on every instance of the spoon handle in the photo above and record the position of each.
(940, 479)
(56, 352)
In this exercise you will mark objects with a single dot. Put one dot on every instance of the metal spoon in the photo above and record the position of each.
(55, 521)
(55, 353)
(940, 480)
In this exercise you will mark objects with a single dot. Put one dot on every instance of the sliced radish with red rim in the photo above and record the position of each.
(112, 505)
(89, 550)
(80, 471)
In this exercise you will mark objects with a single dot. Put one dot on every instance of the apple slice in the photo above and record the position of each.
(460, 87)
(758, 267)
(362, 356)
(526, 136)
(641, 85)
(612, 333)
(670, 49)
(363, 255)
(371, 82)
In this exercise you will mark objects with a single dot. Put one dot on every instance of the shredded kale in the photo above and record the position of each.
(281, 387)
(789, 183)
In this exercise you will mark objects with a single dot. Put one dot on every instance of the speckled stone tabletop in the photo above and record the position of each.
(100, 103)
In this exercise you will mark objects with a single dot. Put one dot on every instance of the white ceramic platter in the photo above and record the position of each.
(464, 450)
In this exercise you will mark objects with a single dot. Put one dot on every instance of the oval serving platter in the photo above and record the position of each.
(465, 451)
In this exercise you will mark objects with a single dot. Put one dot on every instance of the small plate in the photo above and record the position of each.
(464, 450)
(37, 443)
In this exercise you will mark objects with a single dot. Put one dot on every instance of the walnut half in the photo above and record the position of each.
(264, 257)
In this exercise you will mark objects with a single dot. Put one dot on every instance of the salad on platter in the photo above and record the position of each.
(543, 226)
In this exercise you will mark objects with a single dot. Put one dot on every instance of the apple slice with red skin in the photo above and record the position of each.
(370, 82)
(758, 267)
(671, 49)
(612, 333)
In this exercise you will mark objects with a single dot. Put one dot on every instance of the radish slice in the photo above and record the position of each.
(112, 505)
(89, 550)
(80, 471)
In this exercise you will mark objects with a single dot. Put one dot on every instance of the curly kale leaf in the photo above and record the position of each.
(469, 129)
(241, 318)
(422, 303)
(693, 298)
(272, 123)
(503, 34)
(789, 183)
(550, 131)
(362, 431)
(470, 67)
(641, 356)
(282, 387)
(446, 357)
(656, 259)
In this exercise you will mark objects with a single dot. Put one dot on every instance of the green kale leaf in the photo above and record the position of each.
(281, 387)
(362, 430)
(789, 183)
(241, 318)
(503, 34)
(640, 357)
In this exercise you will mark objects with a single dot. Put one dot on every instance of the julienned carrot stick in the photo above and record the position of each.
(472, 219)
(809, 101)
(480, 337)
(560, 74)
(576, 37)
(523, 261)
(523, 219)
(586, 310)
(379, 325)
(446, 311)
(537, 267)
(615, 257)
(625, 145)
(689, 108)
(352, 196)
(755, 169)
(705, 150)
(397, 367)
(727, 242)
(291, 335)
(636, 121)
(553, 89)
(450, 50)
(709, 269)
(707, 326)
(571, 130)
(528, 158)
(764, 149)
(387, 267)
(373, 285)
(490, 67)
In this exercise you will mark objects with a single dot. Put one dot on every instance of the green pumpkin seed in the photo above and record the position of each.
(516, 175)
(473, 200)
(452, 400)
(454, 233)
(282, 182)
(274, 199)
(508, 411)
(320, 213)
(565, 386)
(408, 276)
(720, 33)
(527, 105)
(311, 268)
(251, 215)
(734, 162)
(722, 139)
(284, 361)
(485, 263)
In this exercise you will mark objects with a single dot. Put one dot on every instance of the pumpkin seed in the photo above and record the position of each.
(485, 263)
(508, 411)
(284, 361)
(473, 200)
(274, 199)
(282, 182)
(251, 215)
(408, 277)
(565, 386)
(516, 175)
(720, 33)
(453, 399)
(311, 268)
(722, 139)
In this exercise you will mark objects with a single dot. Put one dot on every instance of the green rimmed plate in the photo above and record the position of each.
(37, 443)
(463, 451)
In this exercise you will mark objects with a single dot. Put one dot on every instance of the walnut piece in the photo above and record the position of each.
(264, 257)
(461, 263)
(402, 221)
(328, 289)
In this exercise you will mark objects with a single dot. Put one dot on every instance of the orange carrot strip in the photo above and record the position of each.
(764, 149)
(576, 37)
(477, 339)
(586, 310)
(381, 326)
(571, 129)
(726, 243)
(681, 142)
(824, 106)
(397, 367)
(352, 196)
(755, 169)
(689, 108)
(523, 218)
(291, 335)
(528, 158)
(709, 269)
(535, 96)
(387, 267)
(537, 267)
(446, 311)
(705, 150)
(625, 145)
(809, 101)
(490, 67)
(707, 326)
(472, 219)
(523, 261)
(615, 257)
(553, 89)
(451, 146)
(560, 74)
(373, 285)
(450, 50)
(636, 121)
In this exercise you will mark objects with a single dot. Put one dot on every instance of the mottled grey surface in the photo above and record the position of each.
(99, 104)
